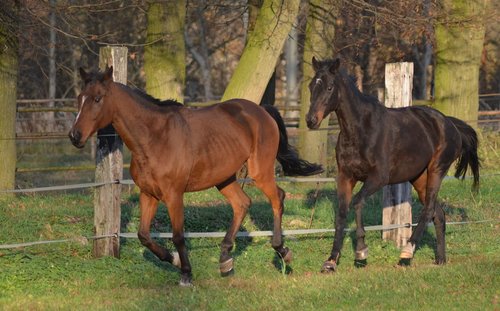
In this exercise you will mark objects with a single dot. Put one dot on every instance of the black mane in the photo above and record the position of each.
(142, 96)
(150, 99)
(147, 100)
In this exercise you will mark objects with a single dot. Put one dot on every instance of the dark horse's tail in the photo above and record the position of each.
(287, 155)
(468, 157)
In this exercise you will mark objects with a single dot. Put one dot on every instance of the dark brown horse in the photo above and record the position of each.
(176, 150)
(380, 146)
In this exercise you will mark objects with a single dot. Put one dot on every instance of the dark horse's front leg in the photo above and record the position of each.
(344, 193)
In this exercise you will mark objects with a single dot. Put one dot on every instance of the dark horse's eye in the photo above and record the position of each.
(97, 98)
(329, 88)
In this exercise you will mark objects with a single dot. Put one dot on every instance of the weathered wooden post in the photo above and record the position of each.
(397, 198)
(109, 167)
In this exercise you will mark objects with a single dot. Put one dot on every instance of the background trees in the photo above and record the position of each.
(206, 39)
(8, 88)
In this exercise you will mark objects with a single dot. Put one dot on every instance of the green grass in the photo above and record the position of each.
(66, 277)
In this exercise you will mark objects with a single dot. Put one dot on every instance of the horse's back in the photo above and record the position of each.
(224, 136)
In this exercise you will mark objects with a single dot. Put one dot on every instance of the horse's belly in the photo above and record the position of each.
(209, 175)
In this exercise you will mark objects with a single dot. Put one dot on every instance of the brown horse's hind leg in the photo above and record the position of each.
(240, 203)
(148, 206)
(263, 174)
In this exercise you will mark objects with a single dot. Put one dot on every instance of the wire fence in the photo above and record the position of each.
(191, 235)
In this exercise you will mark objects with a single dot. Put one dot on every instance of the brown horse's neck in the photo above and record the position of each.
(136, 121)
(355, 108)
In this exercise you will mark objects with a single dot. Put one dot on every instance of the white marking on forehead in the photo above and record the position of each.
(84, 98)
(318, 81)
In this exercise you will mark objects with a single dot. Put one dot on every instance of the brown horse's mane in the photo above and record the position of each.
(146, 99)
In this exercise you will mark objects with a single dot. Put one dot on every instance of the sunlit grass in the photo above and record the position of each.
(65, 276)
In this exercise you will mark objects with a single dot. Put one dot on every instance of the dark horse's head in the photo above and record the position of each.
(93, 113)
(324, 91)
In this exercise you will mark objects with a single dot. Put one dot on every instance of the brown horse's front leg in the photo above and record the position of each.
(175, 207)
(148, 206)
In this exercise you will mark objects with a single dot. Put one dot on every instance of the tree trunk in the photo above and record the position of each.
(292, 73)
(262, 50)
(164, 54)
(318, 43)
(52, 59)
(8, 92)
(459, 44)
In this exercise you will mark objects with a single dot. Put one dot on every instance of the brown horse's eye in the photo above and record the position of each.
(97, 99)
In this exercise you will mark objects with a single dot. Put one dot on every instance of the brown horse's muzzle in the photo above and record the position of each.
(76, 138)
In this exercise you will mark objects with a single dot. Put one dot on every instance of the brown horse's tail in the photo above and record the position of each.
(287, 155)
(469, 156)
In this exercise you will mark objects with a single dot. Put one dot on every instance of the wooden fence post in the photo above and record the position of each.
(397, 198)
(109, 166)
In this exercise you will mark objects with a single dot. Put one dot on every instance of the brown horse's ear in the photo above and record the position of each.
(108, 74)
(83, 74)
(335, 66)
(315, 64)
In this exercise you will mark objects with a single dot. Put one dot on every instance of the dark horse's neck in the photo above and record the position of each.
(355, 110)
(136, 115)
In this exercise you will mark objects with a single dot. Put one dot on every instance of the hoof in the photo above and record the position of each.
(185, 281)
(407, 251)
(440, 262)
(288, 256)
(176, 260)
(226, 268)
(329, 266)
(361, 254)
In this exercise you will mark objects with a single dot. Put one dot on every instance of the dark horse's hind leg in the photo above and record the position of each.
(432, 181)
(240, 203)
(440, 226)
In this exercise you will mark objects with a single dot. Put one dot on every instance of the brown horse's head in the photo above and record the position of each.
(93, 111)
(324, 91)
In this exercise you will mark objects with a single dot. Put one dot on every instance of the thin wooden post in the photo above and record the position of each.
(397, 198)
(109, 167)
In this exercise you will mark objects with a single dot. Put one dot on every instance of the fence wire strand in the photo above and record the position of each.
(191, 235)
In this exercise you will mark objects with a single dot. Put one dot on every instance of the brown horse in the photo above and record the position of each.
(176, 150)
(380, 146)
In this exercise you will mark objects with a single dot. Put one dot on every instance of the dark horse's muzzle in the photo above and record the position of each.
(312, 121)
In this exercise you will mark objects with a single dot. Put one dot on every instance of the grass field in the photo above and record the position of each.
(66, 277)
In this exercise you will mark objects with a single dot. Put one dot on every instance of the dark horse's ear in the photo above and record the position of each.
(83, 74)
(315, 63)
(335, 66)
(108, 74)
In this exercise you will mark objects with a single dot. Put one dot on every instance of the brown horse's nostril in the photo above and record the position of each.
(75, 137)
